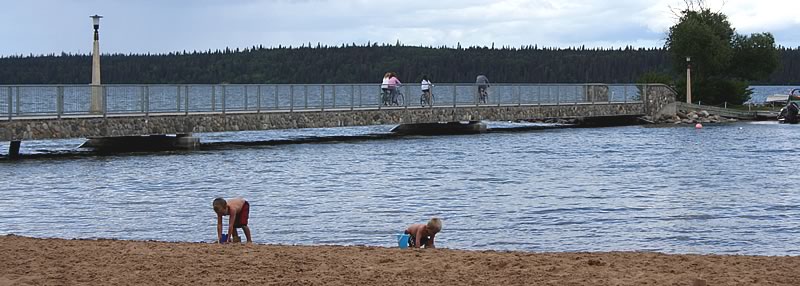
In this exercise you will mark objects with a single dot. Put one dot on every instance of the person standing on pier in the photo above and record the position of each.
(426, 86)
(385, 91)
(394, 84)
(483, 84)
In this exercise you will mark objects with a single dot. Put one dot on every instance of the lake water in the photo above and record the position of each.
(761, 92)
(727, 189)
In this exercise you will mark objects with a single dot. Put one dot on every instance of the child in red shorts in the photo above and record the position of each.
(239, 211)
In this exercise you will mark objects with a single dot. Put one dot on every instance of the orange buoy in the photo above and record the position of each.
(698, 126)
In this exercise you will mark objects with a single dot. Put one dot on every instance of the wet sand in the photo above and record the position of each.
(30, 261)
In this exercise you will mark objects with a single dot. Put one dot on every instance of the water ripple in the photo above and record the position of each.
(723, 189)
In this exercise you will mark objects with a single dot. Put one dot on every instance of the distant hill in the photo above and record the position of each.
(361, 64)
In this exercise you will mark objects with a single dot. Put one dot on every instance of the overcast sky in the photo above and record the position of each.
(159, 26)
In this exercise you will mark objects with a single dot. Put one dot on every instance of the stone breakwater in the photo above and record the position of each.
(691, 117)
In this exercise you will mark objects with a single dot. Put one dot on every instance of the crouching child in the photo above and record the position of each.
(423, 235)
(239, 211)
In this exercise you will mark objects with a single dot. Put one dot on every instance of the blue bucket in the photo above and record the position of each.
(224, 238)
(402, 240)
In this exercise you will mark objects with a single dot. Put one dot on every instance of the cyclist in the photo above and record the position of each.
(393, 85)
(427, 96)
(483, 84)
(385, 91)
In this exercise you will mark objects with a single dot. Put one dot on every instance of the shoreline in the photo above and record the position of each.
(34, 261)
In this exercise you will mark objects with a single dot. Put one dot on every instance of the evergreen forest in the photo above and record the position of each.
(365, 64)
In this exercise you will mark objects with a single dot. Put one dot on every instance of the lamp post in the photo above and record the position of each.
(688, 79)
(97, 95)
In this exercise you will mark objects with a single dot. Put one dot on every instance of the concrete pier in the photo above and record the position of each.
(13, 150)
(186, 142)
(654, 101)
(143, 143)
(471, 127)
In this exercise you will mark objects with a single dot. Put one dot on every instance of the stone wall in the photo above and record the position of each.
(659, 100)
(133, 126)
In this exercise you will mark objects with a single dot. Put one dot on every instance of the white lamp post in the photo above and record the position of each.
(688, 79)
(97, 95)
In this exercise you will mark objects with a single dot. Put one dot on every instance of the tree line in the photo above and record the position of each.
(366, 64)
(724, 62)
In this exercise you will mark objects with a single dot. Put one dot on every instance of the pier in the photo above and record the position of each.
(35, 112)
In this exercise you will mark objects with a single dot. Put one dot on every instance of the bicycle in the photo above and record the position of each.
(426, 98)
(393, 97)
(484, 94)
(385, 97)
(398, 98)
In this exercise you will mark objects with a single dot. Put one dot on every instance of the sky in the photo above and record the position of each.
(162, 26)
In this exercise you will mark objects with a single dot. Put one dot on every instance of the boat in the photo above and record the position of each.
(788, 113)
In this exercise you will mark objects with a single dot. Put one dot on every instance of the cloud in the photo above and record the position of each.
(507, 22)
(163, 26)
(765, 15)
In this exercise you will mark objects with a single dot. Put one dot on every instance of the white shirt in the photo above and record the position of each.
(426, 85)
(385, 83)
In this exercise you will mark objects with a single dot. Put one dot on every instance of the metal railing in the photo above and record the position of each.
(57, 101)
(721, 111)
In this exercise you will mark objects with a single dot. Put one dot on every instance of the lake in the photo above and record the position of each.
(760, 92)
(725, 189)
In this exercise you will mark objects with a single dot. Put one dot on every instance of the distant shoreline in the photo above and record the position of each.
(32, 261)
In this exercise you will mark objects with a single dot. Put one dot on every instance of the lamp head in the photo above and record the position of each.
(96, 21)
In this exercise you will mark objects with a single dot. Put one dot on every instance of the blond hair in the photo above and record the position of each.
(435, 223)
(219, 205)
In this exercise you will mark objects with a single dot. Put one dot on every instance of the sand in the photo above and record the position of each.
(30, 261)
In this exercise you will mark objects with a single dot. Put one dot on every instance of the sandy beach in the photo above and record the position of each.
(30, 261)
